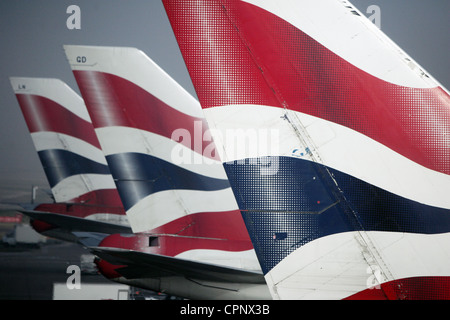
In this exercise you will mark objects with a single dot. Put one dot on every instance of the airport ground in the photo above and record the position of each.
(32, 271)
(29, 272)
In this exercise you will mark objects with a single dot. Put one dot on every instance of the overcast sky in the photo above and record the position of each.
(32, 34)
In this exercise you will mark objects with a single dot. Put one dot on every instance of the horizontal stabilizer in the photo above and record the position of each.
(75, 223)
(140, 264)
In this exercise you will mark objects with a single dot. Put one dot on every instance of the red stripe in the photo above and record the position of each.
(221, 225)
(172, 246)
(101, 197)
(271, 62)
(219, 64)
(114, 101)
(193, 231)
(42, 114)
(417, 288)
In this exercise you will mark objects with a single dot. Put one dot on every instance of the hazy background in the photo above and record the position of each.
(32, 34)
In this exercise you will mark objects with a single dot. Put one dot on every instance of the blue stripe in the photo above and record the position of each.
(139, 175)
(303, 201)
(61, 164)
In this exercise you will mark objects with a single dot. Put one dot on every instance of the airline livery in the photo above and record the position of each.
(76, 169)
(348, 198)
(189, 236)
(314, 165)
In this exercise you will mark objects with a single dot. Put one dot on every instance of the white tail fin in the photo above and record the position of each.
(144, 121)
(362, 155)
(65, 140)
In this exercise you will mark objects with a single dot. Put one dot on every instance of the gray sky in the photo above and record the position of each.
(32, 34)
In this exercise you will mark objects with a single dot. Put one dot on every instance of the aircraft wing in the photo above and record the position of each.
(75, 223)
(141, 264)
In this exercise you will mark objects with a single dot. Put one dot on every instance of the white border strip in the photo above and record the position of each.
(334, 267)
(53, 140)
(115, 140)
(245, 260)
(163, 207)
(133, 65)
(354, 38)
(78, 185)
(339, 147)
(52, 89)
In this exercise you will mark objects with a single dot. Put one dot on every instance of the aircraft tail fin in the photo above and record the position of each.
(65, 140)
(153, 134)
(335, 200)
